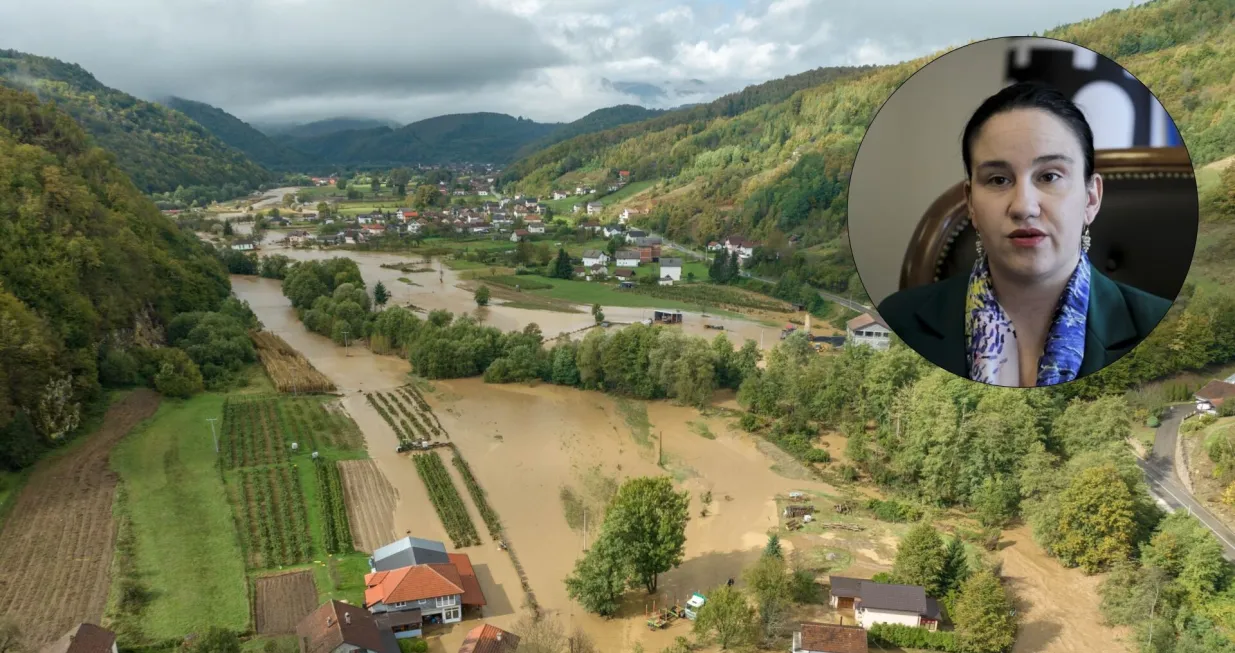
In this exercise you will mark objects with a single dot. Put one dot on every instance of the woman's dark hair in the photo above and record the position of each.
(1030, 95)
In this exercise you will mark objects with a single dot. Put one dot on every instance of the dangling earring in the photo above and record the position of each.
(1085, 240)
(978, 245)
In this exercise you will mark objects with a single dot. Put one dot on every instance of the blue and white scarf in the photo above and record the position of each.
(990, 338)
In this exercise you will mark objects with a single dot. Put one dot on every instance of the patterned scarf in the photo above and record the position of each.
(991, 340)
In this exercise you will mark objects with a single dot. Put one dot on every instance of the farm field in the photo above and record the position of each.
(287, 368)
(184, 549)
(370, 502)
(58, 537)
(446, 500)
(282, 601)
(407, 414)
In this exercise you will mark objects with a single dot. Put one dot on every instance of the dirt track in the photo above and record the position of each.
(57, 543)
(282, 601)
(370, 504)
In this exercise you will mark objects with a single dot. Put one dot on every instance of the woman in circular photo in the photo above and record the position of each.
(1033, 310)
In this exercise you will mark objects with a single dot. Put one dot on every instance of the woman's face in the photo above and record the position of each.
(1027, 195)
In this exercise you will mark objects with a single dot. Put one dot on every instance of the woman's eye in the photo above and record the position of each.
(1051, 176)
(996, 180)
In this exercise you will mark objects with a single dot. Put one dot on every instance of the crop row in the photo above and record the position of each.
(716, 296)
(334, 509)
(414, 396)
(273, 508)
(379, 404)
(478, 497)
(249, 436)
(446, 500)
(424, 429)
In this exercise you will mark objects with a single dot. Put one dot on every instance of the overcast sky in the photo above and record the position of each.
(549, 60)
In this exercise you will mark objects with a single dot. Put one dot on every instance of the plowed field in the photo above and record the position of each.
(282, 601)
(57, 543)
(370, 504)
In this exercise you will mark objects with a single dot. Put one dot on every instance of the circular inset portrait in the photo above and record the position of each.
(1022, 212)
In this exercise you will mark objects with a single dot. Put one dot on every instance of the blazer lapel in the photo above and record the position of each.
(943, 320)
(1109, 330)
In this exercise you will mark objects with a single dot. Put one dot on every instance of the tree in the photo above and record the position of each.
(323, 209)
(546, 635)
(341, 184)
(984, 618)
(920, 558)
(399, 178)
(426, 196)
(380, 294)
(727, 618)
(227, 228)
(716, 272)
(647, 522)
(733, 268)
(482, 295)
(772, 586)
(955, 566)
(562, 269)
(375, 182)
(1096, 524)
(773, 547)
(598, 313)
(599, 578)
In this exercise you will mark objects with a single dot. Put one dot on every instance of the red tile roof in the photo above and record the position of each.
(1216, 390)
(472, 595)
(335, 623)
(489, 639)
(83, 638)
(865, 320)
(833, 638)
(411, 584)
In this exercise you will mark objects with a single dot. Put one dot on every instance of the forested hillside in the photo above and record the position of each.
(160, 149)
(598, 120)
(458, 138)
(85, 259)
(780, 168)
(323, 127)
(239, 134)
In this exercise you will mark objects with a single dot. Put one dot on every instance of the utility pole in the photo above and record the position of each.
(585, 529)
(345, 332)
(214, 435)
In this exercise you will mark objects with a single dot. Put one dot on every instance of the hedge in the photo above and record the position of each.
(911, 637)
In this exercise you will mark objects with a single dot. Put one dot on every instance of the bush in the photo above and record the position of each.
(1153, 422)
(749, 422)
(911, 637)
(849, 473)
(893, 511)
(413, 645)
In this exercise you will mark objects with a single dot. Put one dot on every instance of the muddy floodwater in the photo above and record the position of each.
(526, 444)
(442, 288)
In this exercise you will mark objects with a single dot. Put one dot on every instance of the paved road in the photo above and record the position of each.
(843, 301)
(1162, 476)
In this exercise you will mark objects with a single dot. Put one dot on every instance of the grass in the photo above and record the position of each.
(606, 294)
(346, 582)
(524, 282)
(541, 306)
(187, 550)
(701, 429)
(635, 413)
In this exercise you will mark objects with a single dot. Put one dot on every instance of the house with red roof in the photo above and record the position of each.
(489, 639)
(439, 591)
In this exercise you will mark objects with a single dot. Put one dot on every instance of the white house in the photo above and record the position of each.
(627, 258)
(612, 230)
(560, 195)
(744, 248)
(595, 257)
(84, 638)
(671, 268)
(867, 329)
(1210, 398)
(635, 234)
(576, 208)
(406, 214)
(594, 207)
(829, 638)
(885, 603)
(626, 213)
(244, 245)
(338, 627)
(535, 226)
(440, 591)
(518, 234)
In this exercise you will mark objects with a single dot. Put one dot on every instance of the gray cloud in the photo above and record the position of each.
(551, 60)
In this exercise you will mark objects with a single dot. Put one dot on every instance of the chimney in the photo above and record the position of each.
(499, 635)
(347, 618)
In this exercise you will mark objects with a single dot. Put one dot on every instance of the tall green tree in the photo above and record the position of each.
(599, 578)
(380, 294)
(771, 584)
(955, 566)
(647, 522)
(482, 295)
(399, 177)
(375, 182)
(1096, 526)
(773, 547)
(727, 618)
(984, 619)
(562, 269)
(733, 268)
(720, 262)
(920, 559)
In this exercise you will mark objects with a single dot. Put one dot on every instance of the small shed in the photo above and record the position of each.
(667, 317)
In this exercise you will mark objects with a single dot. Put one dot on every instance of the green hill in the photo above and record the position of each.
(238, 134)
(160, 149)
(323, 127)
(598, 120)
(466, 137)
(778, 168)
(84, 257)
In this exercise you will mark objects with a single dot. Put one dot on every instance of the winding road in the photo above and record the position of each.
(1162, 475)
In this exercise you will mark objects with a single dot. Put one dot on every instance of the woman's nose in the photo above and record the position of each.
(1023, 202)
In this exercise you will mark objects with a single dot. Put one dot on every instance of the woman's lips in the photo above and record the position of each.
(1027, 237)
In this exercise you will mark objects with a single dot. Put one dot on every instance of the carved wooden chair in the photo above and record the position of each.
(1145, 230)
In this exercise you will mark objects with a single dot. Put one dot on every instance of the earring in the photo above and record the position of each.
(978, 246)
(1085, 240)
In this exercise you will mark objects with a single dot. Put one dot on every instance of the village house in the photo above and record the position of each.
(715, 246)
(867, 329)
(590, 226)
(278, 222)
(83, 638)
(535, 226)
(626, 214)
(1210, 398)
(297, 237)
(649, 249)
(627, 258)
(613, 188)
(518, 234)
(560, 195)
(406, 214)
(338, 627)
(594, 257)
(489, 639)
(671, 270)
(244, 245)
(635, 234)
(576, 208)
(624, 273)
(594, 208)
(439, 591)
(886, 603)
(613, 230)
(531, 202)
(829, 638)
(744, 248)
(308, 215)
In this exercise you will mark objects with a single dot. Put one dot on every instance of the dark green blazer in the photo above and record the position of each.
(931, 320)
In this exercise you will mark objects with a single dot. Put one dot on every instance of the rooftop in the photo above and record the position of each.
(865, 320)
(335, 623)
(412, 584)
(832, 638)
(83, 638)
(899, 598)
(489, 639)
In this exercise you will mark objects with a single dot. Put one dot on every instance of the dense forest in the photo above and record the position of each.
(158, 148)
(323, 127)
(239, 134)
(598, 120)
(92, 278)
